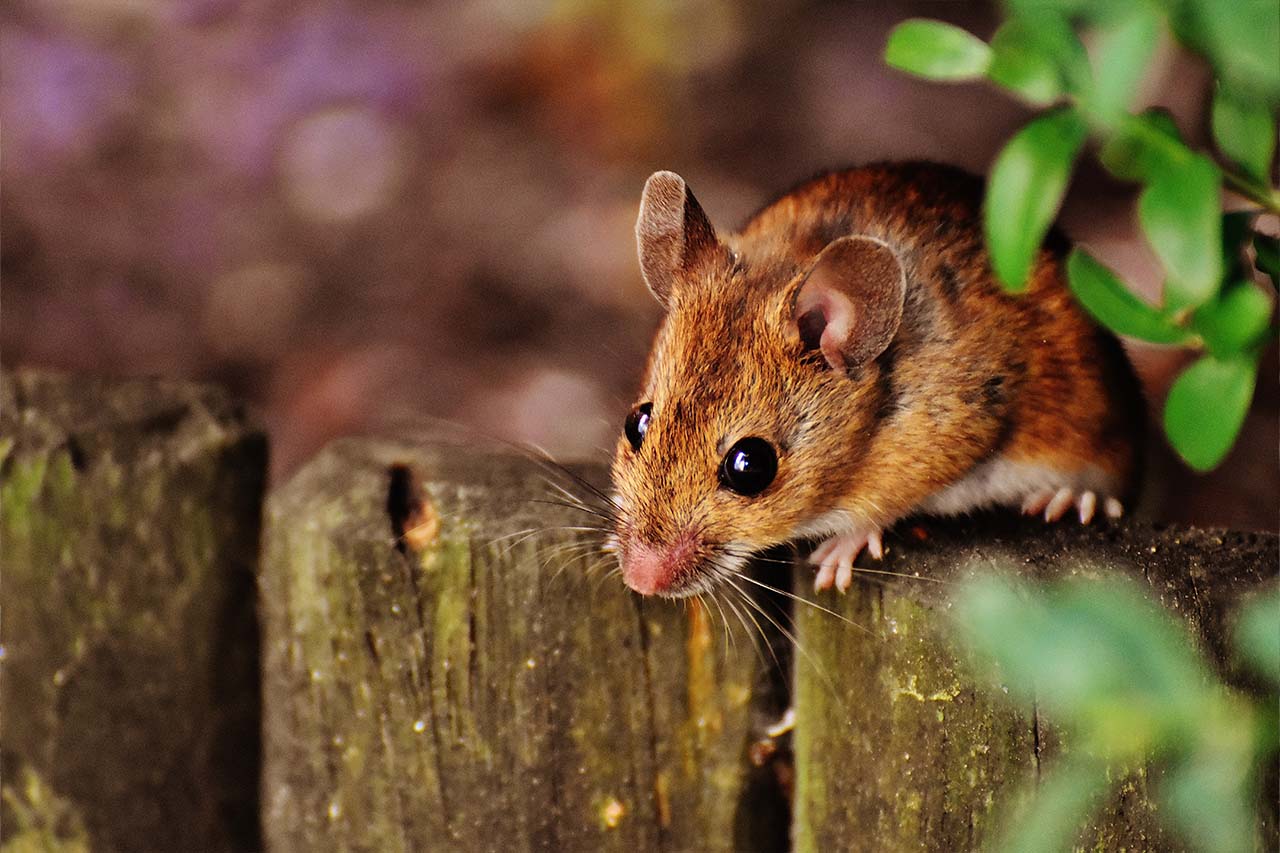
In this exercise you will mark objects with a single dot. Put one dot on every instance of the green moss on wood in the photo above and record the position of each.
(40, 820)
(130, 648)
(899, 747)
(485, 690)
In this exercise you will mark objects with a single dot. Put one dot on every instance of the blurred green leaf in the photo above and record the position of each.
(1062, 803)
(1181, 215)
(1098, 656)
(1257, 634)
(1114, 305)
(1103, 659)
(1040, 60)
(1144, 145)
(936, 50)
(1235, 320)
(1245, 132)
(1089, 11)
(1211, 793)
(996, 615)
(1018, 64)
(1028, 180)
(1206, 407)
(1160, 663)
(1240, 38)
(1267, 251)
(1123, 50)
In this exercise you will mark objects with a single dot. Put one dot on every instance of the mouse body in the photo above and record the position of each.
(846, 359)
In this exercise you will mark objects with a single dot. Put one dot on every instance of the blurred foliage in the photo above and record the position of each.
(37, 818)
(1127, 684)
(1214, 302)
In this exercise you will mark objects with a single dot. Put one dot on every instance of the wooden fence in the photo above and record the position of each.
(446, 664)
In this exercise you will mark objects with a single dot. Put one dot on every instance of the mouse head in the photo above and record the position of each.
(760, 394)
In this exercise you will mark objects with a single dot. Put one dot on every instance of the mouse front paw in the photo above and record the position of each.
(1054, 503)
(834, 558)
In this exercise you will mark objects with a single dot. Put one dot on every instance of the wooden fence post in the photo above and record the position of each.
(897, 744)
(447, 663)
(472, 686)
(129, 519)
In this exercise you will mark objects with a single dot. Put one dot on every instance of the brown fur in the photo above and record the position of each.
(972, 372)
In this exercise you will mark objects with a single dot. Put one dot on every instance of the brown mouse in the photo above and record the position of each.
(845, 359)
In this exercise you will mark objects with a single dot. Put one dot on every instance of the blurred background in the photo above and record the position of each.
(354, 213)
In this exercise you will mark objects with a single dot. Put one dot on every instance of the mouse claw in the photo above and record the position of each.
(1087, 504)
(1054, 503)
(875, 547)
(1062, 499)
(844, 574)
(835, 557)
(825, 577)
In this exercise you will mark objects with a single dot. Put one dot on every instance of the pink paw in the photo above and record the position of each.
(1055, 503)
(834, 558)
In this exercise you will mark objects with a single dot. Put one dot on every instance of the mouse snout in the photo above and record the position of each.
(658, 569)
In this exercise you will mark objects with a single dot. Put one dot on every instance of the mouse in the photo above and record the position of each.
(847, 359)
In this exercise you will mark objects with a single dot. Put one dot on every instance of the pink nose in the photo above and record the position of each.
(651, 570)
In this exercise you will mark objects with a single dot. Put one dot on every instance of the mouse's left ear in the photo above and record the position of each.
(673, 234)
(849, 305)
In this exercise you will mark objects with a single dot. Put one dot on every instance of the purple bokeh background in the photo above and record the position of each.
(356, 213)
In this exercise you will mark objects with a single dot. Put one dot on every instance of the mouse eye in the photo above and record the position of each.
(749, 466)
(638, 424)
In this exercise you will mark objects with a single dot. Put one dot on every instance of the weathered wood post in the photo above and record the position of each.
(898, 747)
(129, 520)
(445, 671)
(447, 664)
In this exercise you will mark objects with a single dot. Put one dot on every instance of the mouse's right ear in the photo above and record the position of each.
(849, 305)
(672, 233)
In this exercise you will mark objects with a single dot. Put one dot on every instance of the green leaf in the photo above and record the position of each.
(1241, 39)
(936, 50)
(1061, 804)
(1234, 321)
(996, 616)
(1097, 655)
(1257, 634)
(1028, 180)
(1144, 145)
(1123, 51)
(1113, 305)
(1206, 407)
(1210, 795)
(1245, 133)
(1090, 11)
(1018, 64)
(1180, 213)
(1158, 662)
(1039, 60)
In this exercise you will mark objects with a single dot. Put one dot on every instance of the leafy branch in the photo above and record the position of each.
(1214, 301)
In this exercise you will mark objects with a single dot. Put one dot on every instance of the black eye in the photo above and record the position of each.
(749, 466)
(637, 424)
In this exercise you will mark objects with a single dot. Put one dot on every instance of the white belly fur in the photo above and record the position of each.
(1000, 482)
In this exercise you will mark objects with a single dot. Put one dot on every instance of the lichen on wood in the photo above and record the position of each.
(448, 666)
(129, 513)
(899, 745)
(448, 663)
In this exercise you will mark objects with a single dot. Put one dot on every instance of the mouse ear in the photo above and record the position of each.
(849, 305)
(672, 232)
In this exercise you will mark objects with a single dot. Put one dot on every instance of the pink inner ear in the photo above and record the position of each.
(824, 317)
